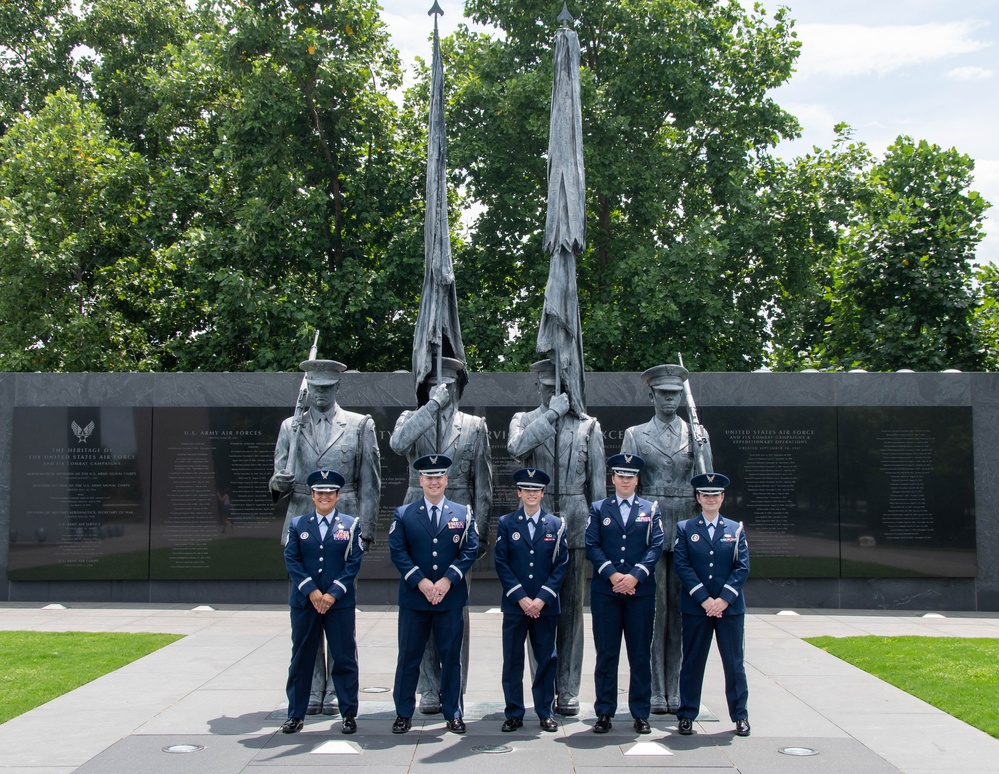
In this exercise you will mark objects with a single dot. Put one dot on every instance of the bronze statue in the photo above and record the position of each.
(674, 451)
(577, 480)
(327, 436)
(438, 427)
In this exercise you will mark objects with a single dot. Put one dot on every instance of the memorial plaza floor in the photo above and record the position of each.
(220, 690)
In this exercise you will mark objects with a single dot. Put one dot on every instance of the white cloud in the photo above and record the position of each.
(841, 50)
(970, 74)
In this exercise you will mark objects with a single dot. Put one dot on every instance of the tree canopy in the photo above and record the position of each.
(200, 186)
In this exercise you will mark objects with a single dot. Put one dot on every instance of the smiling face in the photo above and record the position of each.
(325, 501)
(433, 487)
(530, 499)
(710, 503)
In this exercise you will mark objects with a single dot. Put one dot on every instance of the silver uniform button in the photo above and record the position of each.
(435, 553)
(712, 553)
(321, 558)
(435, 567)
(532, 553)
(529, 577)
(711, 564)
(435, 540)
(531, 564)
(709, 577)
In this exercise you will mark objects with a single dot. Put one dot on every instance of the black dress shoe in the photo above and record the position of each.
(742, 727)
(603, 724)
(349, 724)
(685, 726)
(642, 726)
(512, 724)
(401, 725)
(549, 724)
(292, 726)
(456, 726)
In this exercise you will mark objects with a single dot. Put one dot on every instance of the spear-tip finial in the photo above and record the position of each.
(436, 10)
(565, 17)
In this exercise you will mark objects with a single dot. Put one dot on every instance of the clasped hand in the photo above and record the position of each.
(434, 592)
(623, 584)
(714, 607)
(532, 607)
(322, 602)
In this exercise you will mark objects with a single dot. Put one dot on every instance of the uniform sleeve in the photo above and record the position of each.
(550, 588)
(525, 436)
(352, 564)
(300, 578)
(369, 479)
(654, 550)
(596, 471)
(740, 570)
(469, 550)
(410, 427)
(399, 551)
(483, 482)
(689, 581)
(512, 588)
(594, 547)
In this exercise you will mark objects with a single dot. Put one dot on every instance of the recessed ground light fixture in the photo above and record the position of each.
(491, 749)
(184, 748)
(797, 751)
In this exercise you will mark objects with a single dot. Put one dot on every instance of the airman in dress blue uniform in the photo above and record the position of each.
(531, 556)
(712, 562)
(433, 543)
(323, 554)
(624, 540)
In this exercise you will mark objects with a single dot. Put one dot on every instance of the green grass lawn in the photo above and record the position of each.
(36, 667)
(958, 675)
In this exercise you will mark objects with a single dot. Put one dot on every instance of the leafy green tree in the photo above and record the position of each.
(893, 289)
(678, 124)
(71, 201)
(37, 41)
(987, 314)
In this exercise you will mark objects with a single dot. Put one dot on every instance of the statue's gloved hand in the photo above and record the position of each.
(283, 481)
(440, 395)
(560, 404)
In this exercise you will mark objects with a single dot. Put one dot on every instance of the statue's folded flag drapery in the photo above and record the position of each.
(560, 334)
(438, 331)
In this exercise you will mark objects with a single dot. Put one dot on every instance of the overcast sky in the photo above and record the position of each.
(925, 68)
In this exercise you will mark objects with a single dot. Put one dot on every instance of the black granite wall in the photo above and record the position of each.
(623, 400)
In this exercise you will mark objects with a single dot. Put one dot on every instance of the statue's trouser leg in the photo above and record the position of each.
(674, 648)
(659, 640)
(569, 637)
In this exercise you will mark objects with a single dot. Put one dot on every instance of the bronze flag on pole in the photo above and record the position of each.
(438, 332)
(560, 333)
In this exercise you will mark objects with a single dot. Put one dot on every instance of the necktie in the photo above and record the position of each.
(625, 511)
(324, 527)
(433, 518)
(533, 523)
(711, 532)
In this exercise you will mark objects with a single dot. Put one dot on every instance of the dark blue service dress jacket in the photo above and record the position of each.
(711, 569)
(329, 565)
(418, 552)
(531, 568)
(633, 549)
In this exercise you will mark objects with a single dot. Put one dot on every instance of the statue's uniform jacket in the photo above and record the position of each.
(352, 451)
(465, 439)
(582, 477)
